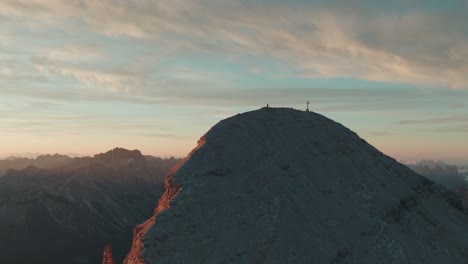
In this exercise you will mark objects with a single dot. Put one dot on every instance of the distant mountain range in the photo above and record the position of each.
(463, 170)
(41, 161)
(58, 209)
(440, 172)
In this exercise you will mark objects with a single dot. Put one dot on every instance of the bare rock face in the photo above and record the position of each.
(107, 257)
(285, 186)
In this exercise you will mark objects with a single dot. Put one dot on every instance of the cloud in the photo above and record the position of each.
(457, 105)
(56, 120)
(399, 42)
(458, 129)
(83, 63)
(431, 121)
(379, 133)
(8, 73)
(77, 53)
(198, 89)
(117, 82)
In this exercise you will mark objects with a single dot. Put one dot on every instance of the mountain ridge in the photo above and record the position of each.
(79, 207)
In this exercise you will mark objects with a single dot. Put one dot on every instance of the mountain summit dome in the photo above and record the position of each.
(278, 185)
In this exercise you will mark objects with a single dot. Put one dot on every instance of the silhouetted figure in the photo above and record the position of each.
(307, 110)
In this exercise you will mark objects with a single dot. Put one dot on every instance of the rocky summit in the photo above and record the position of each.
(278, 185)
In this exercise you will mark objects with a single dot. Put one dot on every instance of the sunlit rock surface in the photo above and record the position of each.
(286, 186)
(107, 257)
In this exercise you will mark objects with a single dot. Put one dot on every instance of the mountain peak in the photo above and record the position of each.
(278, 185)
(119, 153)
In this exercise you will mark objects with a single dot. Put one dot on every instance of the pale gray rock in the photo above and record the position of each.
(286, 186)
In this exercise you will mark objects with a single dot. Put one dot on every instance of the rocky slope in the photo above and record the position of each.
(67, 214)
(285, 186)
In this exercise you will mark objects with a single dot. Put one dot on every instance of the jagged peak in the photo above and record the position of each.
(56, 156)
(119, 153)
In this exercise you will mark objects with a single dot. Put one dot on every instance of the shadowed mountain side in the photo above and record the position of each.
(68, 214)
(285, 186)
(462, 192)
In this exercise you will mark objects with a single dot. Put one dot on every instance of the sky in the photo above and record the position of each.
(85, 76)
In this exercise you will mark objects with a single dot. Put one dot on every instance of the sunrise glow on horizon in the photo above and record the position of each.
(87, 76)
